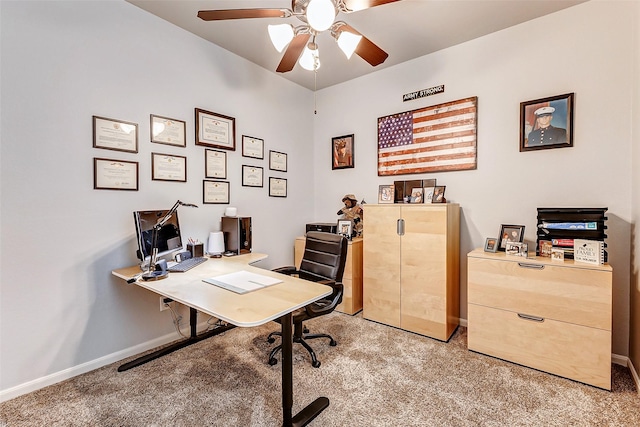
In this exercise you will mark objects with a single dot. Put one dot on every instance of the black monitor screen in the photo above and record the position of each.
(169, 239)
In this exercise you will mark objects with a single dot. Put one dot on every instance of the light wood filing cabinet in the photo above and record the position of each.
(548, 315)
(412, 267)
(352, 278)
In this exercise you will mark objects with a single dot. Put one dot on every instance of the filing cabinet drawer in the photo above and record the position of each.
(568, 350)
(579, 294)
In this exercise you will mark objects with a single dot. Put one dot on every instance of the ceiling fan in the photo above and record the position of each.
(316, 16)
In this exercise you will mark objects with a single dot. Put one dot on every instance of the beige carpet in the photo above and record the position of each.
(376, 376)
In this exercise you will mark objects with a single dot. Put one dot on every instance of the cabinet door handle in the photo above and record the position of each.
(400, 227)
(529, 317)
(534, 266)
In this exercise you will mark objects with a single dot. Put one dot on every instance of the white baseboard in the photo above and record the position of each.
(634, 374)
(66, 374)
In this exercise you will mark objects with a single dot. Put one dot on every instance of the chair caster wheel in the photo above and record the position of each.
(315, 364)
(271, 340)
(273, 361)
(333, 343)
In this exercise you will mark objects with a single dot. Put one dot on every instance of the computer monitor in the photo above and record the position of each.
(169, 239)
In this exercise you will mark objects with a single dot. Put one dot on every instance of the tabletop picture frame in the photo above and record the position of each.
(252, 176)
(112, 174)
(215, 130)
(491, 244)
(168, 131)
(345, 228)
(386, 193)
(252, 147)
(112, 134)
(342, 152)
(438, 194)
(168, 167)
(546, 123)
(510, 233)
(215, 192)
(277, 161)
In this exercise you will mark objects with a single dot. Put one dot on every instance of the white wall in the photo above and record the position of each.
(63, 62)
(587, 49)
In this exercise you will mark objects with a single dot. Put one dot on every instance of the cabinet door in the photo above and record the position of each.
(424, 270)
(381, 258)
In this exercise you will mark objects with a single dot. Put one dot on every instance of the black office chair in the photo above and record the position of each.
(323, 261)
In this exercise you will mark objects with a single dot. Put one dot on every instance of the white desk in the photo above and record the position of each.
(244, 310)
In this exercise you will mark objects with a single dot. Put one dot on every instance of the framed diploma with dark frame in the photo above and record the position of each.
(252, 147)
(168, 167)
(277, 187)
(165, 130)
(215, 130)
(112, 174)
(215, 164)
(252, 176)
(215, 192)
(277, 161)
(116, 135)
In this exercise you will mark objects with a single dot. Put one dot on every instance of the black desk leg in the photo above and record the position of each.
(312, 410)
(194, 338)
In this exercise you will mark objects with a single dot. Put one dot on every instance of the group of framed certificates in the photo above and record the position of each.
(212, 130)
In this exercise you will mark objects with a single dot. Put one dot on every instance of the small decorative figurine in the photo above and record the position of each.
(352, 211)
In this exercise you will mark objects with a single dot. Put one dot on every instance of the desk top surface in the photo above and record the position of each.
(245, 310)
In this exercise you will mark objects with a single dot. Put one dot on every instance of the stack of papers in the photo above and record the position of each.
(242, 282)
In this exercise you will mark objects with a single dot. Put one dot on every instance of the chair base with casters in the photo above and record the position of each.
(300, 334)
(323, 262)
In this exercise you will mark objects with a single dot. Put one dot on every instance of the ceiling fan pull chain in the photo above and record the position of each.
(315, 81)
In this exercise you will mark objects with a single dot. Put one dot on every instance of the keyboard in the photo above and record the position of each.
(186, 265)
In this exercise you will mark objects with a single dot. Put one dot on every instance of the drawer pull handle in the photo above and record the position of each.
(400, 227)
(534, 266)
(529, 317)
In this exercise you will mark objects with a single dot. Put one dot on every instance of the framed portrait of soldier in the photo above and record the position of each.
(342, 152)
(546, 123)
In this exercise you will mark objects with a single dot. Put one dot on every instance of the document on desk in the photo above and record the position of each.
(242, 282)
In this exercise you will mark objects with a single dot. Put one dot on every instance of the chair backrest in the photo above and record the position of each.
(324, 257)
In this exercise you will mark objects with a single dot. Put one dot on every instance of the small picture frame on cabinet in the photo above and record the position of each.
(491, 244)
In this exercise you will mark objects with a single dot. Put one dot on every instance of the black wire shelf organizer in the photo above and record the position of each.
(588, 223)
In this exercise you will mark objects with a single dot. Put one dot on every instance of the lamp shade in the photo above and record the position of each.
(215, 246)
(280, 35)
(309, 60)
(348, 42)
(320, 14)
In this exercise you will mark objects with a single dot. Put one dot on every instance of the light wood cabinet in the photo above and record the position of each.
(548, 315)
(412, 267)
(352, 278)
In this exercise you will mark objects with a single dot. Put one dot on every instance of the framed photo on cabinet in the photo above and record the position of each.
(215, 130)
(385, 193)
(510, 233)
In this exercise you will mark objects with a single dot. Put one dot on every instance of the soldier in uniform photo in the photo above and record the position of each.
(543, 133)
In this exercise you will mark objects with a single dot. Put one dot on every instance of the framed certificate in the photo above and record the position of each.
(277, 187)
(168, 131)
(252, 147)
(215, 130)
(168, 167)
(277, 161)
(115, 134)
(215, 192)
(215, 164)
(111, 174)
(252, 176)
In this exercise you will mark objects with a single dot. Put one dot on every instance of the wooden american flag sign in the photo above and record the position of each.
(432, 139)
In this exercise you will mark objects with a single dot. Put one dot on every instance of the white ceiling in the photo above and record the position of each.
(405, 30)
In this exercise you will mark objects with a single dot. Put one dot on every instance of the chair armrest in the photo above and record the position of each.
(326, 305)
(289, 270)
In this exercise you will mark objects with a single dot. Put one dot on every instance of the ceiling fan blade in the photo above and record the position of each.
(367, 49)
(219, 15)
(355, 5)
(293, 52)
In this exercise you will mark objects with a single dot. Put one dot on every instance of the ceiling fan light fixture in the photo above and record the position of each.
(310, 59)
(321, 14)
(280, 35)
(348, 42)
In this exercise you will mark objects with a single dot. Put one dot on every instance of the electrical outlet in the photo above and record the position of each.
(164, 305)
